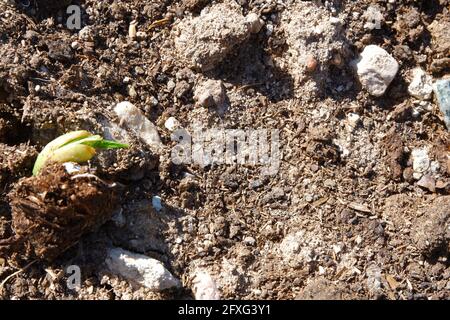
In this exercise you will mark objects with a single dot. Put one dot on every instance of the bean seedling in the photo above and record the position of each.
(76, 146)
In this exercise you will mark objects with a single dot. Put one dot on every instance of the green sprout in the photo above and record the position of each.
(76, 146)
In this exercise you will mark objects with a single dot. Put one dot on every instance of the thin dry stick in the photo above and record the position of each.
(16, 273)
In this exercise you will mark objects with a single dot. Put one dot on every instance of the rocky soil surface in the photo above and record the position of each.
(355, 205)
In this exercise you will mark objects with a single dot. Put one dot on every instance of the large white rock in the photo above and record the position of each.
(140, 269)
(130, 116)
(376, 69)
(421, 85)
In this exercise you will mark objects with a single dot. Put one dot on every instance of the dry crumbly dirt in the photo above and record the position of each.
(342, 219)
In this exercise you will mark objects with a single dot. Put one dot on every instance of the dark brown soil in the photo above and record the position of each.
(344, 198)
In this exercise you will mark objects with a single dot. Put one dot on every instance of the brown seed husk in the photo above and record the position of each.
(51, 212)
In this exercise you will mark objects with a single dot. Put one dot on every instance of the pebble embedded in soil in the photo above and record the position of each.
(140, 269)
(427, 182)
(210, 93)
(255, 22)
(376, 69)
(130, 116)
(421, 162)
(374, 18)
(421, 85)
(172, 124)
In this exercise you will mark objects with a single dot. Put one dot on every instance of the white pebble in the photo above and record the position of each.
(255, 22)
(421, 85)
(130, 116)
(171, 124)
(421, 162)
(140, 269)
(376, 69)
(132, 30)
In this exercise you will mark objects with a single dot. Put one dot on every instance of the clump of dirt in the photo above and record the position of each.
(50, 212)
(315, 42)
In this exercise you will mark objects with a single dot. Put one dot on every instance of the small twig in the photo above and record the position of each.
(16, 273)
(158, 23)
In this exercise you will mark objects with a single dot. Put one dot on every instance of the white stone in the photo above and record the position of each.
(204, 287)
(373, 17)
(75, 45)
(353, 120)
(255, 22)
(421, 162)
(132, 30)
(376, 69)
(171, 124)
(72, 167)
(421, 85)
(130, 116)
(140, 269)
(250, 241)
(86, 34)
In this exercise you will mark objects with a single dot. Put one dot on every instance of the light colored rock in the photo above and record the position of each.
(249, 241)
(353, 119)
(210, 93)
(373, 17)
(172, 124)
(427, 182)
(442, 92)
(421, 162)
(204, 41)
(140, 269)
(421, 85)
(131, 117)
(255, 22)
(86, 34)
(373, 273)
(376, 69)
(72, 167)
(204, 286)
(132, 30)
